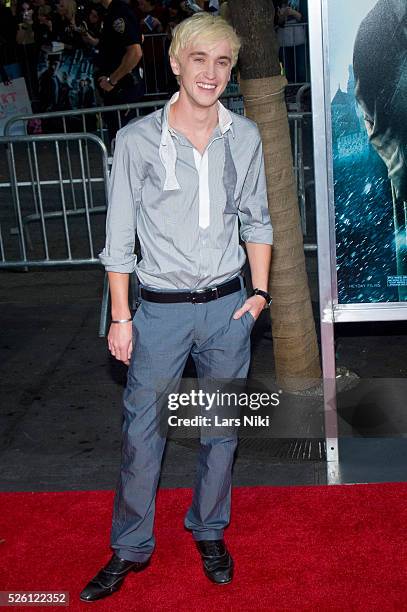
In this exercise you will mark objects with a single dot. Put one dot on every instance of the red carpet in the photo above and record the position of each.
(295, 548)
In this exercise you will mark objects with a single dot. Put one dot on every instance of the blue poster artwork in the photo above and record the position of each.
(369, 124)
(66, 80)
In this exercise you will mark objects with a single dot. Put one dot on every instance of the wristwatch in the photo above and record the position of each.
(264, 294)
(110, 82)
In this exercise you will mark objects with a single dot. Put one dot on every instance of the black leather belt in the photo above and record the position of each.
(200, 296)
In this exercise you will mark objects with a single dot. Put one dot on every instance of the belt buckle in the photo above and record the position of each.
(203, 291)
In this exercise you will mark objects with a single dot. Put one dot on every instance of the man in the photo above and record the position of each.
(118, 73)
(50, 85)
(50, 94)
(89, 94)
(381, 91)
(184, 176)
(64, 102)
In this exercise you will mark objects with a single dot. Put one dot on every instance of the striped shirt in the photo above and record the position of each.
(188, 209)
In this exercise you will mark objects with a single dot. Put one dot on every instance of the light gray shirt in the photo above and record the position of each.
(156, 188)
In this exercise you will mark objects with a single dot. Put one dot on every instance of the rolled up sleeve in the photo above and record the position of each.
(124, 197)
(254, 216)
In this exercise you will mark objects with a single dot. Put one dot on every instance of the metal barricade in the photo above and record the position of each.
(300, 102)
(294, 51)
(303, 170)
(303, 160)
(49, 208)
(155, 64)
(53, 200)
(85, 120)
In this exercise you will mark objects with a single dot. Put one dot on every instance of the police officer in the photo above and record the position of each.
(118, 65)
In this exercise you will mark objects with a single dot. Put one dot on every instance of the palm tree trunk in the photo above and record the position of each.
(295, 343)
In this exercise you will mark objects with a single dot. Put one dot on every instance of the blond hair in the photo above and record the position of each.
(69, 8)
(208, 28)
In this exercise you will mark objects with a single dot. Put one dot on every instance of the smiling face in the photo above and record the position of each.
(203, 70)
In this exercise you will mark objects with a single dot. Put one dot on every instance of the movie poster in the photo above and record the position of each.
(65, 80)
(368, 86)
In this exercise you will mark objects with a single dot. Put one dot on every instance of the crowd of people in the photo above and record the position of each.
(56, 44)
(45, 35)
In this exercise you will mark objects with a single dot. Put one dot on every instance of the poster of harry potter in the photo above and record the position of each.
(368, 87)
(65, 79)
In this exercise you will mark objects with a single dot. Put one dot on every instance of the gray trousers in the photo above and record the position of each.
(163, 337)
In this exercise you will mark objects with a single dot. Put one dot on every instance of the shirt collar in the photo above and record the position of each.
(225, 121)
(167, 151)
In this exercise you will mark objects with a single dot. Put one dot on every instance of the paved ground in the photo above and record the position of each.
(61, 397)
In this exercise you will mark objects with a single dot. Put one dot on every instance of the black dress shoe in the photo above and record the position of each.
(110, 578)
(217, 562)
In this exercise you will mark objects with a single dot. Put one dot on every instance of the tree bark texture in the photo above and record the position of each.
(295, 343)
